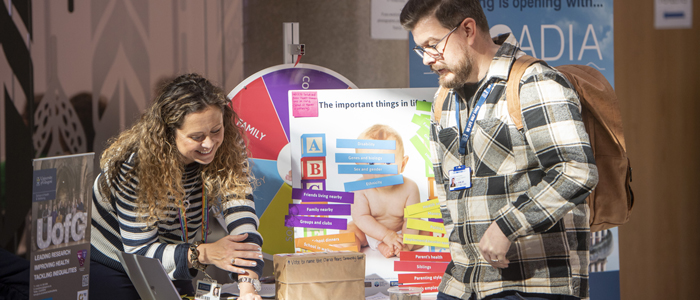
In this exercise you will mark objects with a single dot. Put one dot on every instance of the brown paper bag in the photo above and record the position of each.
(320, 275)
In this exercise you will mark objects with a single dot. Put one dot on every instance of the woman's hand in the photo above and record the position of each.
(230, 254)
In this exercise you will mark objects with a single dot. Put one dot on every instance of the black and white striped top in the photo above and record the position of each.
(115, 227)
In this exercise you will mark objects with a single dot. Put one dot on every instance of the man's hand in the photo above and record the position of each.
(494, 245)
(248, 291)
(250, 296)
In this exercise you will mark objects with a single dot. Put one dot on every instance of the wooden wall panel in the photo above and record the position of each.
(659, 89)
(336, 34)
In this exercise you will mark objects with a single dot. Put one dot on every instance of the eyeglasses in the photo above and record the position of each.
(432, 50)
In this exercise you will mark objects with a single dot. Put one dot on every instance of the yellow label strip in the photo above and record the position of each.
(421, 207)
(425, 225)
(424, 240)
(431, 214)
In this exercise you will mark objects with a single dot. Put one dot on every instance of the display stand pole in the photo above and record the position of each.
(291, 49)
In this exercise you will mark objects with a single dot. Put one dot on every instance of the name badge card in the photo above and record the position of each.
(207, 290)
(460, 178)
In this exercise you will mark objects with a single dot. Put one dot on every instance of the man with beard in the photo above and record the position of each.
(517, 221)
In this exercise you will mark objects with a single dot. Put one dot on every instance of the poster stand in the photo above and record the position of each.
(60, 247)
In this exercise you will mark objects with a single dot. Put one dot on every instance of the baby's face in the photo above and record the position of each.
(398, 161)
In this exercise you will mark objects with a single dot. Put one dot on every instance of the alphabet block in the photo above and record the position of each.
(313, 145)
(315, 184)
(313, 168)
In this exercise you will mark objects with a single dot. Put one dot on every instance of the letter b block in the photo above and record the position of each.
(313, 168)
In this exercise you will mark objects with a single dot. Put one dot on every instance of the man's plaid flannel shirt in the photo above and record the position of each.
(533, 183)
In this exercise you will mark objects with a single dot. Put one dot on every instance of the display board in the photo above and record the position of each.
(361, 171)
(260, 102)
(60, 247)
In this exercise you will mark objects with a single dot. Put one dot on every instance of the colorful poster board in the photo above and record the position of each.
(260, 102)
(360, 167)
(60, 247)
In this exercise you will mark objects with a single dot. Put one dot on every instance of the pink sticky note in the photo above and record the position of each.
(304, 104)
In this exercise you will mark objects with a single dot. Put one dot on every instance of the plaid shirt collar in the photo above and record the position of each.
(500, 66)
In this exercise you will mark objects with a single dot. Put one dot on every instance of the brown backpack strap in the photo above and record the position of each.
(438, 102)
(513, 88)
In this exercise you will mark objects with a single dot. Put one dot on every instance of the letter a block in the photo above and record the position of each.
(313, 168)
(313, 145)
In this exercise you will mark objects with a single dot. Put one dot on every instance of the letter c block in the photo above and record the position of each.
(313, 184)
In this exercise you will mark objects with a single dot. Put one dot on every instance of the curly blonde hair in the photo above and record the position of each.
(158, 164)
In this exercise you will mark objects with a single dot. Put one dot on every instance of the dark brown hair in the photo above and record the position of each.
(449, 13)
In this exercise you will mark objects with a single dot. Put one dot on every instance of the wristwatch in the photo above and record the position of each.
(253, 281)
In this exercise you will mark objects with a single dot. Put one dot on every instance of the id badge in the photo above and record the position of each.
(207, 290)
(460, 178)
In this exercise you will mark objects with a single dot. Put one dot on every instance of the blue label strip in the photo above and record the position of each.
(365, 144)
(368, 169)
(373, 183)
(364, 158)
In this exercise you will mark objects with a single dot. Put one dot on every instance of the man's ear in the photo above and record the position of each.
(404, 161)
(469, 27)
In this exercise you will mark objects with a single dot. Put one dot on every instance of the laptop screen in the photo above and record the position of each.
(148, 276)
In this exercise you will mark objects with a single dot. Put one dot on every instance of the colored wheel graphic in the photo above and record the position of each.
(262, 107)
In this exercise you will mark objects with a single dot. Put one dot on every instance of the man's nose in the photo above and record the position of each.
(428, 60)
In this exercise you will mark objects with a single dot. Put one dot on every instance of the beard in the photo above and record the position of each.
(461, 71)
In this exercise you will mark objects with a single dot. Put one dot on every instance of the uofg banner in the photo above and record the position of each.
(60, 248)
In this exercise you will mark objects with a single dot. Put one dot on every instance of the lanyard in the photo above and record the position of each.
(205, 219)
(472, 118)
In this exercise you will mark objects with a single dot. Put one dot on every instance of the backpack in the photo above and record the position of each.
(611, 201)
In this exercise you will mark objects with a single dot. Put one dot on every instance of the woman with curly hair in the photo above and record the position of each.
(158, 182)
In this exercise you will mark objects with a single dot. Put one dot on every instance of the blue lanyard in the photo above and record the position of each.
(472, 118)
